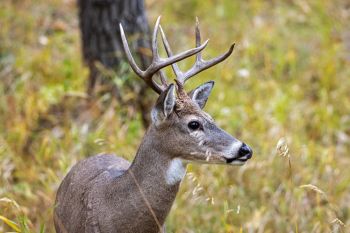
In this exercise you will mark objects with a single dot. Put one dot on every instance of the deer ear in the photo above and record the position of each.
(201, 94)
(164, 105)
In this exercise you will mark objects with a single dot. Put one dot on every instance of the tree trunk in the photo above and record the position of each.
(102, 46)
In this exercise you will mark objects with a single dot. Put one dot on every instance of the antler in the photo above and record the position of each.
(157, 62)
(200, 64)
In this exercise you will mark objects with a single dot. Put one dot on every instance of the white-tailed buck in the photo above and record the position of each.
(106, 193)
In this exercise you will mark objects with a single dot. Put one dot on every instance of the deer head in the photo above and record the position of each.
(180, 128)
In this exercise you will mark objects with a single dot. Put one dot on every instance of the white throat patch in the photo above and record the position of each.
(176, 172)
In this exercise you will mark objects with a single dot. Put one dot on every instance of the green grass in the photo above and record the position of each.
(285, 91)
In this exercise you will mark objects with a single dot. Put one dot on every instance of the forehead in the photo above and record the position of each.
(191, 110)
(207, 116)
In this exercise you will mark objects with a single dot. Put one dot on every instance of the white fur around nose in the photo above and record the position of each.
(175, 172)
(233, 150)
(235, 147)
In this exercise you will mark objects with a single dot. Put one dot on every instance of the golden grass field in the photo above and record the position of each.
(285, 92)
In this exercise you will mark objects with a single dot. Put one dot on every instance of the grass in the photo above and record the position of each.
(285, 92)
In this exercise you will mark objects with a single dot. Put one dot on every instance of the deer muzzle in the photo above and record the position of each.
(240, 155)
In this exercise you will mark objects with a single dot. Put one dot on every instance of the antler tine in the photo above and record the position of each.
(130, 58)
(143, 74)
(200, 63)
(198, 40)
(157, 62)
(163, 78)
(155, 52)
(175, 67)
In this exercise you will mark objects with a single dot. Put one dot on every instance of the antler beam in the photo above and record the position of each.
(157, 62)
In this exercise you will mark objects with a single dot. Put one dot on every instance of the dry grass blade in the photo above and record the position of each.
(10, 201)
(313, 188)
(282, 148)
(338, 221)
(10, 223)
(293, 80)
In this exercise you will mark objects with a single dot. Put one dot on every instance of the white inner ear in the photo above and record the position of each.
(169, 102)
(200, 94)
(165, 108)
(196, 93)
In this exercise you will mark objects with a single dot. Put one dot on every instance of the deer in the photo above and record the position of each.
(106, 193)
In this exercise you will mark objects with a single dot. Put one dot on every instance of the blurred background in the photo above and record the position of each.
(66, 93)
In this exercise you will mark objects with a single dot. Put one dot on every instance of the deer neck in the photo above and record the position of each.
(153, 166)
(155, 176)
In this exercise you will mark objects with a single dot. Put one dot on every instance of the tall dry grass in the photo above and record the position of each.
(285, 92)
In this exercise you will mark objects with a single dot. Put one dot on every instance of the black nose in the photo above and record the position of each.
(245, 151)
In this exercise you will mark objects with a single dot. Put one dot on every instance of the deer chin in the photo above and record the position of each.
(236, 161)
(218, 162)
(218, 159)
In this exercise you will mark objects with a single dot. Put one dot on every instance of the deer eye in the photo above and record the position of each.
(194, 125)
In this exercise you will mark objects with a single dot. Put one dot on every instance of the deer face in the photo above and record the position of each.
(190, 133)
